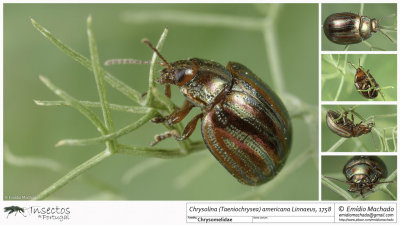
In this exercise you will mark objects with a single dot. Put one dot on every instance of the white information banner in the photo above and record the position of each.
(260, 212)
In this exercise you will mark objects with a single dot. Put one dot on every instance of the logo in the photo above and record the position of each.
(14, 209)
(43, 213)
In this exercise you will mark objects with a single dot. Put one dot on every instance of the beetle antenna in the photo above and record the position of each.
(336, 179)
(125, 61)
(385, 182)
(386, 35)
(379, 27)
(352, 65)
(391, 15)
(147, 42)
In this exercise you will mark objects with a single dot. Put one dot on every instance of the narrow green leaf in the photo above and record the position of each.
(150, 151)
(150, 96)
(115, 107)
(336, 145)
(157, 152)
(73, 174)
(30, 161)
(76, 104)
(325, 181)
(111, 136)
(194, 19)
(99, 77)
(114, 82)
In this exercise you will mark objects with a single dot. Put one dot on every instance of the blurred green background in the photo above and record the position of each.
(382, 67)
(385, 118)
(371, 11)
(31, 131)
(333, 166)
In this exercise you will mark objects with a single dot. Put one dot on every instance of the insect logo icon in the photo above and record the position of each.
(14, 209)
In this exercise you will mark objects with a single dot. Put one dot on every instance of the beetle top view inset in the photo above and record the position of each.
(349, 28)
(244, 123)
(363, 173)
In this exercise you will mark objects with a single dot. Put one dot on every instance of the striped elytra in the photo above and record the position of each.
(345, 127)
(244, 124)
(363, 173)
(349, 28)
(249, 131)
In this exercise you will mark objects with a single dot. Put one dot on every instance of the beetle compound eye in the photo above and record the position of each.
(179, 75)
(182, 76)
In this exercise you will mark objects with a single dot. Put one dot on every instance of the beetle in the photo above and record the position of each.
(349, 28)
(244, 124)
(365, 83)
(341, 125)
(363, 173)
(12, 209)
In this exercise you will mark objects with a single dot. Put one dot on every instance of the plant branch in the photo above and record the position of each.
(338, 190)
(193, 19)
(101, 88)
(90, 141)
(150, 92)
(114, 82)
(115, 107)
(76, 104)
(73, 174)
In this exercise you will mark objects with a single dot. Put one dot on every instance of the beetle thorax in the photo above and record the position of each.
(365, 27)
(360, 130)
(205, 87)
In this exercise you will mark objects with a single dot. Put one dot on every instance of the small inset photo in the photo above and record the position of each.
(358, 27)
(354, 77)
(358, 128)
(359, 178)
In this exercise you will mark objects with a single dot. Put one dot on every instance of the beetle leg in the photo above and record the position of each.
(167, 90)
(189, 128)
(177, 116)
(174, 133)
(344, 117)
(160, 137)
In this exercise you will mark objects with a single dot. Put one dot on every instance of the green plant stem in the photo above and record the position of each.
(99, 77)
(271, 47)
(372, 47)
(157, 152)
(325, 181)
(111, 136)
(150, 92)
(388, 192)
(114, 82)
(336, 145)
(75, 103)
(115, 107)
(73, 174)
(339, 88)
(101, 88)
(193, 19)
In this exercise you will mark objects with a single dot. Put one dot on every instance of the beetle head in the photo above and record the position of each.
(180, 73)
(177, 73)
